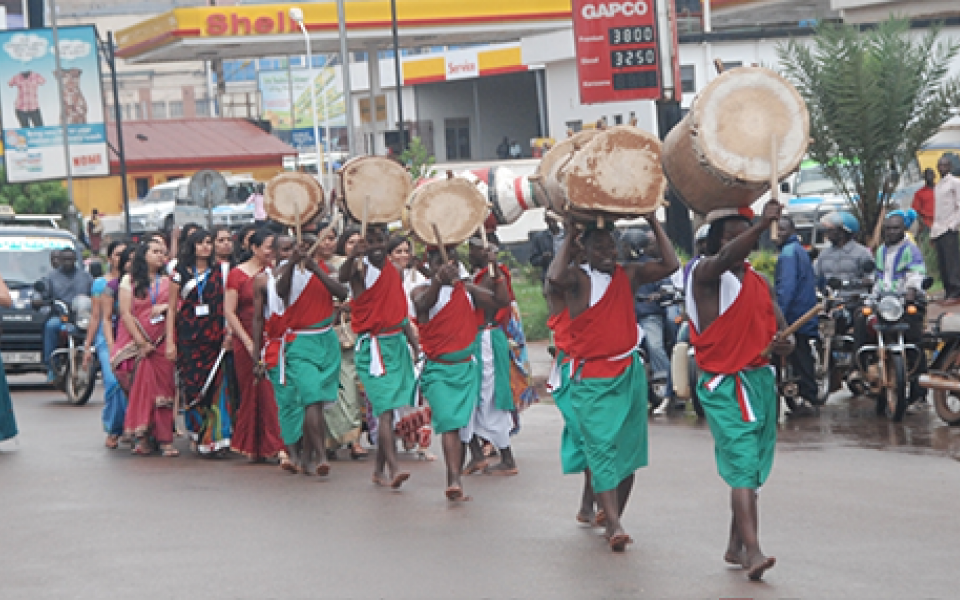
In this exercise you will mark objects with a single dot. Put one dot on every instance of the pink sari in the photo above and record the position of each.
(151, 397)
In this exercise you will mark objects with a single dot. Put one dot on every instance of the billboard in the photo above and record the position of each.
(30, 105)
(294, 123)
(617, 50)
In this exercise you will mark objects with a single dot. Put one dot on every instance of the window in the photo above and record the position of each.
(159, 110)
(618, 119)
(203, 107)
(175, 108)
(457, 134)
(143, 186)
(732, 65)
(688, 79)
(574, 126)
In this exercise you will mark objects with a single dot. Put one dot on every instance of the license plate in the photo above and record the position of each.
(20, 358)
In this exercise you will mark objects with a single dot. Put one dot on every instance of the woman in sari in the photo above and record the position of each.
(8, 423)
(111, 312)
(100, 339)
(256, 431)
(195, 337)
(143, 307)
(345, 418)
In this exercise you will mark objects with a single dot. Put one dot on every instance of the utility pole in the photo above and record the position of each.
(111, 57)
(397, 74)
(345, 65)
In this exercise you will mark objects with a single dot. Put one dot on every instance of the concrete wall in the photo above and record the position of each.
(868, 11)
(507, 107)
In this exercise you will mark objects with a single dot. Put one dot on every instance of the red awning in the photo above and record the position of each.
(195, 144)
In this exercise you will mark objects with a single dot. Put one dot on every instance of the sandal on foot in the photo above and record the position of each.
(169, 451)
(112, 443)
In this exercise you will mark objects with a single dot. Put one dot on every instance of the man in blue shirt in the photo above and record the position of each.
(796, 286)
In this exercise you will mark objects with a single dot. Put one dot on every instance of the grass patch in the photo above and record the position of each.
(533, 307)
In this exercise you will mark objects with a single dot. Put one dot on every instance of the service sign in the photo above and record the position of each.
(617, 55)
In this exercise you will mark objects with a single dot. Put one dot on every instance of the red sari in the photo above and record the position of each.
(150, 404)
(256, 431)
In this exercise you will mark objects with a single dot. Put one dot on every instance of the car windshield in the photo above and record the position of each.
(161, 195)
(812, 180)
(25, 259)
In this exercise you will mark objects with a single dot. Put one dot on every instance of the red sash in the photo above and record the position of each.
(503, 315)
(606, 330)
(314, 305)
(273, 331)
(735, 340)
(451, 329)
(560, 325)
(383, 306)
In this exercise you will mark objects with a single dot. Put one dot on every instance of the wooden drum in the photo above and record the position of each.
(454, 205)
(293, 199)
(509, 196)
(382, 184)
(719, 155)
(552, 167)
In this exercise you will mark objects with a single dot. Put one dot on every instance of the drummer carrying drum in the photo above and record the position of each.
(383, 332)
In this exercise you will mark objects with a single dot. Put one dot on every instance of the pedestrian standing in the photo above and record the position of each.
(100, 339)
(733, 320)
(256, 432)
(143, 307)
(196, 333)
(924, 200)
(8, 421)
(94, 232)
(383, 360)
(796, 286)
(609, 387)
(943, 232)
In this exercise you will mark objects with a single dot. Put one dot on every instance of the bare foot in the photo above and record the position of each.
(735, 557)
(475, 466)
(758, 566)
(287, 465)
(619, 541)
(601, 519)
(381, 479)
(586, 517)
(454, 493)
(398, 479)
(501, 469)
(323, 469)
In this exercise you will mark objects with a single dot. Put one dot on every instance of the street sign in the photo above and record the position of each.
(618, 56)
(207, 189)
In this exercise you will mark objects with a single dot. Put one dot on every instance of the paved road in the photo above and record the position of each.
(856, 508)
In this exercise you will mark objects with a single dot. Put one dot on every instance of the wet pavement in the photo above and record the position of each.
(857, 507)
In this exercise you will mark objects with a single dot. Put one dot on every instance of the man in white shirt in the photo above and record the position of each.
(946, 223)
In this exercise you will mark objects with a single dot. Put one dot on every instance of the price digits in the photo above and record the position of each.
(631, 35)
(621, 59)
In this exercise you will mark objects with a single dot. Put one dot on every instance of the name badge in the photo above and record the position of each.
(156, 319)
(202, 310)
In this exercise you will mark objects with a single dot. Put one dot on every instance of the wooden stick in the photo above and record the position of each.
(366, 211)
(299, 237)
(813, 312)
(486, 245)
(443, 250)
(774, 182)
(320, 236)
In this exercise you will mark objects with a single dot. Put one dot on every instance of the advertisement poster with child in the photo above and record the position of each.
(30, 104)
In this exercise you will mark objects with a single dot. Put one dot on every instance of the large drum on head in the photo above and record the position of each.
(547, 188)
(379, 182)
(719, 155)
(617, 173)
(455, 206)
(293, 199)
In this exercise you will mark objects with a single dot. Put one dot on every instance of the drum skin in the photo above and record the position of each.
(718, 156)
(454, 205)
(618, 173)
(550, 172)
(385, 182)
(290, 193)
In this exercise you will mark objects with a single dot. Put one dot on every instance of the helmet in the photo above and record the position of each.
(843, 220)
(702, 233)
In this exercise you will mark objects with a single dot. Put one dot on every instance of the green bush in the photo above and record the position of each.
(764, 262)
(533, 306)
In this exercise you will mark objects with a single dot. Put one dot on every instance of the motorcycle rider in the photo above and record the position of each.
(64, 284)
(658, 334)
(845, 258)
(797, 294)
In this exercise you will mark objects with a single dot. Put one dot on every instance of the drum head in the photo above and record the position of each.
(455, 206)
(551, 167)
(382, 182)
(738, 114)
(290, 194)
(617, 173)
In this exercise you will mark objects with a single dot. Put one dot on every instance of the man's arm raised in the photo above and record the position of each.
(655, 270)
(560, 275)
(734, 253)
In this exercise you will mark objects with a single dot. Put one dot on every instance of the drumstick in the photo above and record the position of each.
(298, 225)
(323, 234)
(774, 182)
(436, 234)
(483, 234)
(363, 223)
(813, 312)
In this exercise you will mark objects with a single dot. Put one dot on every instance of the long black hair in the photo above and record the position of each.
(140, 271)
(344, 237)
(187, 259)
(125, 258)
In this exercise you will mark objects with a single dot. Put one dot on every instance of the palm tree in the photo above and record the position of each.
(874, 95)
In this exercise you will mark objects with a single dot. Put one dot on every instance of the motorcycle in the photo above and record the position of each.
(887, 365)
(944, 374)
(69, 375)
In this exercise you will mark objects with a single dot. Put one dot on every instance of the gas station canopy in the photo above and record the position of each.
(248, 31)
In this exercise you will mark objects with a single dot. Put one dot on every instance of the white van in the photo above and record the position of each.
(168, 204)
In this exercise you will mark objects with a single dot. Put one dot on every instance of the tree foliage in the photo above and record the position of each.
(41, 198)
(874, 97)
(418, 160)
